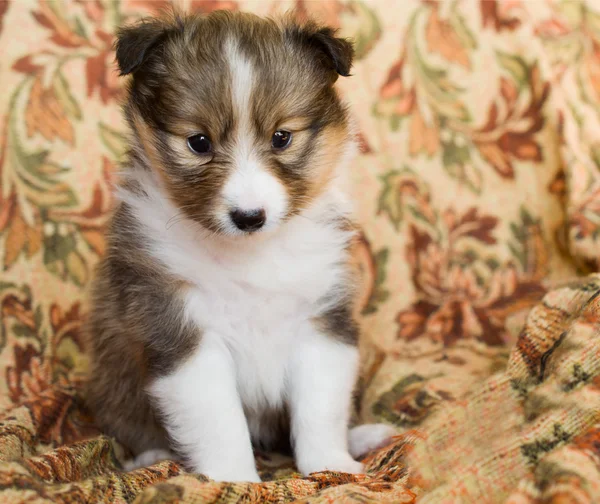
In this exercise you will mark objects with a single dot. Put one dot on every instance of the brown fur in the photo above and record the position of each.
(180, 87)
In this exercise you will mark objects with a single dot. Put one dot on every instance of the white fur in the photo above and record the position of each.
(147, 458)
(204, 414)
(322, 373)
(242, 80)
(251, 186)
(364, 438)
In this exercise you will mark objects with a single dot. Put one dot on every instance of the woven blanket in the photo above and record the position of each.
(477, 189)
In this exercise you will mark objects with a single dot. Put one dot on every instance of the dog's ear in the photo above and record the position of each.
(135, 42)
(339, 51)
(335, 53)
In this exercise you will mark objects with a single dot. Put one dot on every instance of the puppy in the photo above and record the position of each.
(222, 311)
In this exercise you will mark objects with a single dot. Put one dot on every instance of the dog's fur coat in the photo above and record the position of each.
(206, 337)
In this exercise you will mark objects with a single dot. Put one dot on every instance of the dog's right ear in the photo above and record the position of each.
(135, 42)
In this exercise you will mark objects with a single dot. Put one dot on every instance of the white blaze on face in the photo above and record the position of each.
(250, 186)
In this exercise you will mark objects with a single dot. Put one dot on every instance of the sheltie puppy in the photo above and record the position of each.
(222, 313)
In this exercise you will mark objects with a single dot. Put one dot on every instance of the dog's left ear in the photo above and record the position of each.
(339, 51)
(335, 53)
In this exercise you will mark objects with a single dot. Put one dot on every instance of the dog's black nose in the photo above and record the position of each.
(250, 220)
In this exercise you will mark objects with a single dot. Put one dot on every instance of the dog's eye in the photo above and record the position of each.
(281, 139)
(199, 144)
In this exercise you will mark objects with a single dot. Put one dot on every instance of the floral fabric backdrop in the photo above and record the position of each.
(477, 188)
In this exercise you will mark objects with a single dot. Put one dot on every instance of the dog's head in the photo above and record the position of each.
(237, 114)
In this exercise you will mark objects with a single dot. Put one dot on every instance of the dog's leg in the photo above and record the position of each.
(204, 415)
(322, 376)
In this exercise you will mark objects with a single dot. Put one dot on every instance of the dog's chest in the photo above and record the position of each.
(259, 306)
(258, 328)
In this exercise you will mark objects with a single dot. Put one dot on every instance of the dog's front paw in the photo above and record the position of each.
(340, 462)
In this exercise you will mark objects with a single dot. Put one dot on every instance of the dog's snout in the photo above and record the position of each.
(248, 220)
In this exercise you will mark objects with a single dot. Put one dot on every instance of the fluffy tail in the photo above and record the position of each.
(364, 438)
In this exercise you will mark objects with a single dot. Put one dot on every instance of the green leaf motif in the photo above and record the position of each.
(77, 268)
(6, 285)
(79, 28)
(22, 331)
(458, 23)
(515, 65)
(36, 176)
(368, 28)
(458, 164)
(37, 317)
(536, 449)
(402, 191)
(521, 232)
(443, 95)
(113, 13)
(526, 218)
(63, 260)
(390, 201)
(453, 154)
(57, 247)
(395, 122)
(379, 294)
(114, 141)
(64, 96)
(386, 407)
(492, 263)
(434, 85)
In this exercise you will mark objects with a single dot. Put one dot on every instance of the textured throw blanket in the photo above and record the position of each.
(529, 434)
(478, 191)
